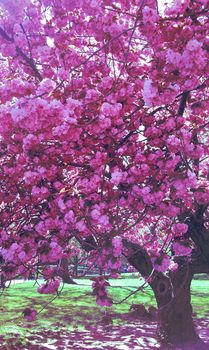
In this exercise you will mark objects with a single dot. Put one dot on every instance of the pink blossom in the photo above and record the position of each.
(30, 314)
(173, 57)
(149, 92)
(104, 220)
(173, 266)
(181, 249)
(51, 287)
(149, 15)
(193, 45)
(100, 285)
(117, 246)
(179, 229)
(69, 217)
(81, 226)
(110, 109)
(104, 301)
(161, 263)
(95, 214)
(117, 176)
(17, 115)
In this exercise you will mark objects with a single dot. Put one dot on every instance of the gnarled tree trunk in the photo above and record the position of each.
(175, 323)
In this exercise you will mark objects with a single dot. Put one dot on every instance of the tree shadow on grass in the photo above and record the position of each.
(102, 337)
(131, 335)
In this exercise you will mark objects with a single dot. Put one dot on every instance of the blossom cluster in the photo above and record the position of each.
(50, 287)
(99, 286)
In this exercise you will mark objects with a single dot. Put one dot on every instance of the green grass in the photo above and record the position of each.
(76, 306)
(200, 297)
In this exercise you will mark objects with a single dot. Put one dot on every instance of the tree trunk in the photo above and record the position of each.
(2, 283)
(75, 262)
(172, 292)
(64, 272)
(175, 322)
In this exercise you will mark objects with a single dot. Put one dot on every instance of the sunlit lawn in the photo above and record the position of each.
(76, 308)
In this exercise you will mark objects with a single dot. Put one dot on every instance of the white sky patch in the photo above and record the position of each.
(162, 4)
(50, 41)
(47, 15)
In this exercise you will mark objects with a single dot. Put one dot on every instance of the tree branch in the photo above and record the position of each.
(199, 234)
(183, 102)
(19, 51)
(138, 258)
(30, 62)
(6, 36)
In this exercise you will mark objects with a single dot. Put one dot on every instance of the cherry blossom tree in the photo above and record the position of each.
(104, 140)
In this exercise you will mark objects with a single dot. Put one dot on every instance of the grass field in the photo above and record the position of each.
(76, 308)
(75, 304)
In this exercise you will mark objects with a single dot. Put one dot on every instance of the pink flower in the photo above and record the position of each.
(181, 249)
(104, 220)
(30, 314)
(149, 15)
(100, 290)
(173, 57)
(61, 204)
(161, 263)
(179, 229)
(51, 287)
(117, 176)
(111, 109)
(173, 266)
(117, 246)
(69, 217)
(193, 45)
(49, 272)
(95, 214)
(149, 92)
(81, 226)
(104, 301)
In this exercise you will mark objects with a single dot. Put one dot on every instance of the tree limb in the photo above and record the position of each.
(19, 51)
(183, 102)
(138, 258)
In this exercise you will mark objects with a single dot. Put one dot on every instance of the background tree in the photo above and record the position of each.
(104, 139)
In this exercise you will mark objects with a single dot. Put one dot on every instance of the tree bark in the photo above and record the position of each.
(175, 322)
(76, 266)
(2, 283)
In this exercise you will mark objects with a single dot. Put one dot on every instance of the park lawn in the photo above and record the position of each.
(200, 298)
(75, 308)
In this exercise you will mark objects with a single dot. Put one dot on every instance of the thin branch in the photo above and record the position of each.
(182, 104)
(144, 285)
(19, 51)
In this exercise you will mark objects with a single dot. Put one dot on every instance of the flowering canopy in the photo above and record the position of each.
(103, 124)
